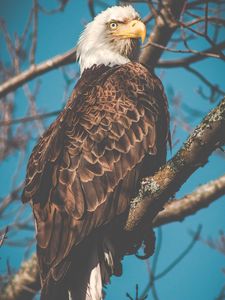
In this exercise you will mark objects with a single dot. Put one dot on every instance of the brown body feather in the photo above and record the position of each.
(87, 166)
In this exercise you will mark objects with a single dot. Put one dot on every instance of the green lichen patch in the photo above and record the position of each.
(148, 186)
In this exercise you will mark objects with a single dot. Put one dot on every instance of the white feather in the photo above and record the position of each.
(88, 284)
(94, 47)
(94, 288)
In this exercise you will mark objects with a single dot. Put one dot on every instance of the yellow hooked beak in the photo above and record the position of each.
(134, 29)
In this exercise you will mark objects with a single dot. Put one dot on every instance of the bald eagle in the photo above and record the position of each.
(87, 166)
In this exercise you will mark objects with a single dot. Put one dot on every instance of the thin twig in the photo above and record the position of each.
(37, 70)
(190, 59)
(30, 118)
(181, 50)
(3, 236)
(34, 34)
(91, 8)
(180, 257)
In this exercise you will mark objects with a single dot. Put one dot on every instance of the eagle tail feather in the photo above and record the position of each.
(99, 265)
(54, 291)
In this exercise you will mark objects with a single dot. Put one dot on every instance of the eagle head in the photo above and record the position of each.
(111, 38)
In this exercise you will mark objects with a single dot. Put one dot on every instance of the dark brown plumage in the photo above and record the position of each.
(87, 166)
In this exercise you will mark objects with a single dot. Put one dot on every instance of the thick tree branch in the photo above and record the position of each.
(155, 192)
(24, 284)
(165, 25)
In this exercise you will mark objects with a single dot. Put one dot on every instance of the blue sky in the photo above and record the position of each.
(199, 275)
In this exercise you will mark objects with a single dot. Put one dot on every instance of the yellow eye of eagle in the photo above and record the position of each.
(113, 25)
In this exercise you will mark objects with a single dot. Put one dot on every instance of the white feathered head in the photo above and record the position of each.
(111, 38)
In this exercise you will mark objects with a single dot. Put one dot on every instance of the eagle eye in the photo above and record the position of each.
(113, 25)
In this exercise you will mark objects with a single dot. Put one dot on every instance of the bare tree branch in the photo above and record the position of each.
(91, 8)
(194, 4)
(34, 35)
(3, 236)
(165, 25)
(37, 70)
(10, 198)
(208, 54)
(161, 34)
(202, 197)
(156, 190)
(30, 118)
(24, 284)
(60, 8)
(190, 59)
(214, 89)
(153, 276)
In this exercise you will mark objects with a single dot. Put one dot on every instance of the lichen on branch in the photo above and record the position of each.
(156, 190)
